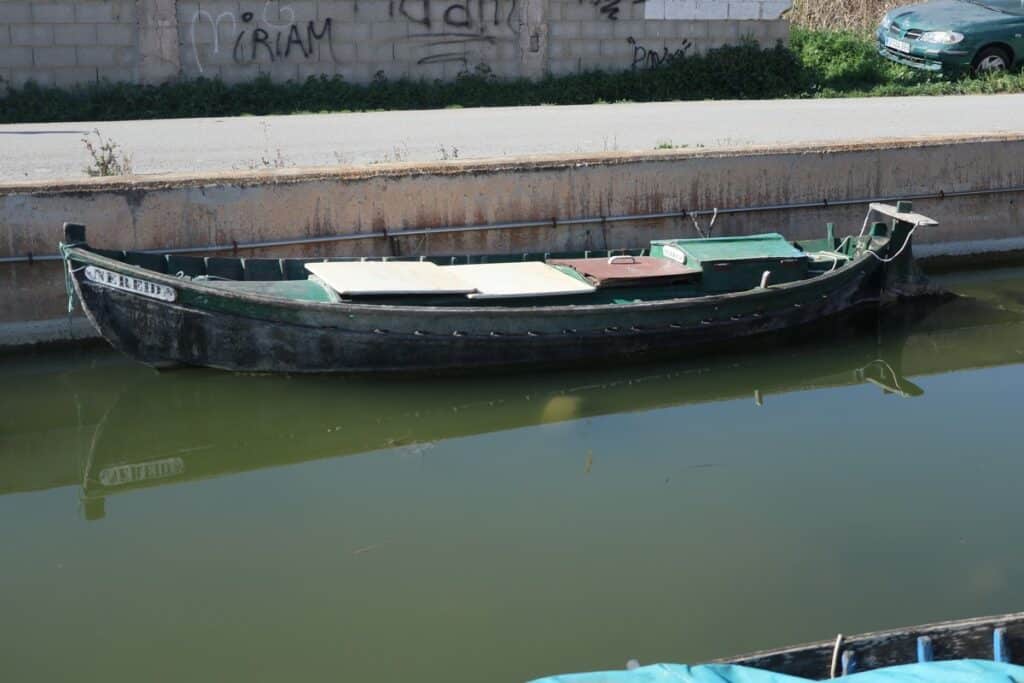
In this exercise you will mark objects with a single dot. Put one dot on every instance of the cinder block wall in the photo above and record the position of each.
(238, 40)
(67, 42)
(623, 34)
(63, 42)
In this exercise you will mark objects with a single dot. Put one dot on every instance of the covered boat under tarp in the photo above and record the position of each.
(978, 650)
(461, 313)
(961, 671)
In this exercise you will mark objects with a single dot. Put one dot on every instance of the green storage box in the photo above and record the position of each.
(734, 264)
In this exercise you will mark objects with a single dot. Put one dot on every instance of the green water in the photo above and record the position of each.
(201, 526)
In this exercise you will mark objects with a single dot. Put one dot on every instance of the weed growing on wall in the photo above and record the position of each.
(107, 157)
(448, 153)
(668, 144)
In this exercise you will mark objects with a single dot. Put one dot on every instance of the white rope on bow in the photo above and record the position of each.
(906, 242)
(69, 285)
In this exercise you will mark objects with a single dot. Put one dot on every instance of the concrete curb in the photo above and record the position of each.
(47, 333)
(547, 162)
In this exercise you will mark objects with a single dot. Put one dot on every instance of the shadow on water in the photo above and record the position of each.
(134, 428)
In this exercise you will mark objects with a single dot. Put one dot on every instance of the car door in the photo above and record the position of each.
(1010, 29)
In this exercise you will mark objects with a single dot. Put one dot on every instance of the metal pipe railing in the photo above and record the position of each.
(549, 223)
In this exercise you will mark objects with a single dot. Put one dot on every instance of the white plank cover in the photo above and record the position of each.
(388, 277)
(519, 279)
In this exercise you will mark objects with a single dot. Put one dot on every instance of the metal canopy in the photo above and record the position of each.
(892, 212)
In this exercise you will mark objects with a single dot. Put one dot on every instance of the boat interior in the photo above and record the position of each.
(673, 268)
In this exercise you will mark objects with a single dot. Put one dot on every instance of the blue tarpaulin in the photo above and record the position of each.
(959, 671)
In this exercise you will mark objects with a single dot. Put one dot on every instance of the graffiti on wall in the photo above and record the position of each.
(441, 31)
(279, 43)
(652, 57)
(610, 8)
(469, 34)
(449, 30)
(254, 38)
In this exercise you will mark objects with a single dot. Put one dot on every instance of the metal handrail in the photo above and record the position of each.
(551, 223)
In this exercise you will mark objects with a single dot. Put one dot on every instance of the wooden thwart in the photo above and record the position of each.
(521, 279)
(478, 281)
(622, 271)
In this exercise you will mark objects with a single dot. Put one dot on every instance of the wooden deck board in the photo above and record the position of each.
(366, 278)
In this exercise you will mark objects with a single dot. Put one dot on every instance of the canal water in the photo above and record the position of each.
(198, 525)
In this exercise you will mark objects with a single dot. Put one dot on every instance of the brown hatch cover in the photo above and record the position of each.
(625, 271)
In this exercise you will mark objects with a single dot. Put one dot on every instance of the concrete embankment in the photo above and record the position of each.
(972, 185)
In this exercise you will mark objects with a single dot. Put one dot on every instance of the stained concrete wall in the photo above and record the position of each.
(243, 207)
(63, 42)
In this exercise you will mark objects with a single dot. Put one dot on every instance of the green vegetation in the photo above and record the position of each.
(850, 15)
(816, 64)
(668, 144)
(845, 64)
(108, 159)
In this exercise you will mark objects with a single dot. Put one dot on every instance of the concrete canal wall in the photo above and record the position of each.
(65, 42)
(975, 188)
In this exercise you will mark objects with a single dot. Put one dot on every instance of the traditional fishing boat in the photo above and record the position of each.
(981, 650)
(459, 313)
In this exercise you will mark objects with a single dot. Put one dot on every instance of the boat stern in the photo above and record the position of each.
(902, 276)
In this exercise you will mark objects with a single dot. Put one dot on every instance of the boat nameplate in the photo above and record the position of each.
(131, 284)
(119, 475)
(675, 253)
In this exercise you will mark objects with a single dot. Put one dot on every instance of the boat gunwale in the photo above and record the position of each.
(82, 252)
(952, 625)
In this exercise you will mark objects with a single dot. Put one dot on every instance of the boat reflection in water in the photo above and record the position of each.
(192, 425)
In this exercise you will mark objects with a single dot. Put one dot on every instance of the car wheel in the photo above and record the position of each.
(990, 60)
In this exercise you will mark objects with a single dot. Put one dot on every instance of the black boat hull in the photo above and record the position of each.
(214, 328)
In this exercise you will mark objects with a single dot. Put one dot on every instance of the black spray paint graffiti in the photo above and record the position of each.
(652, 58)
(610, 8)
(278, 43)
(447, 31)
(453, 26)
(260, 37)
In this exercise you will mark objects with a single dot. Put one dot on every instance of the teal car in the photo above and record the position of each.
(955, 35)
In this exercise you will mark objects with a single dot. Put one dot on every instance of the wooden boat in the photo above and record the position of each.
(986, 649)
(460, 313)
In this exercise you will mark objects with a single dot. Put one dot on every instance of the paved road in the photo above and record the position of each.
(56, 151)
